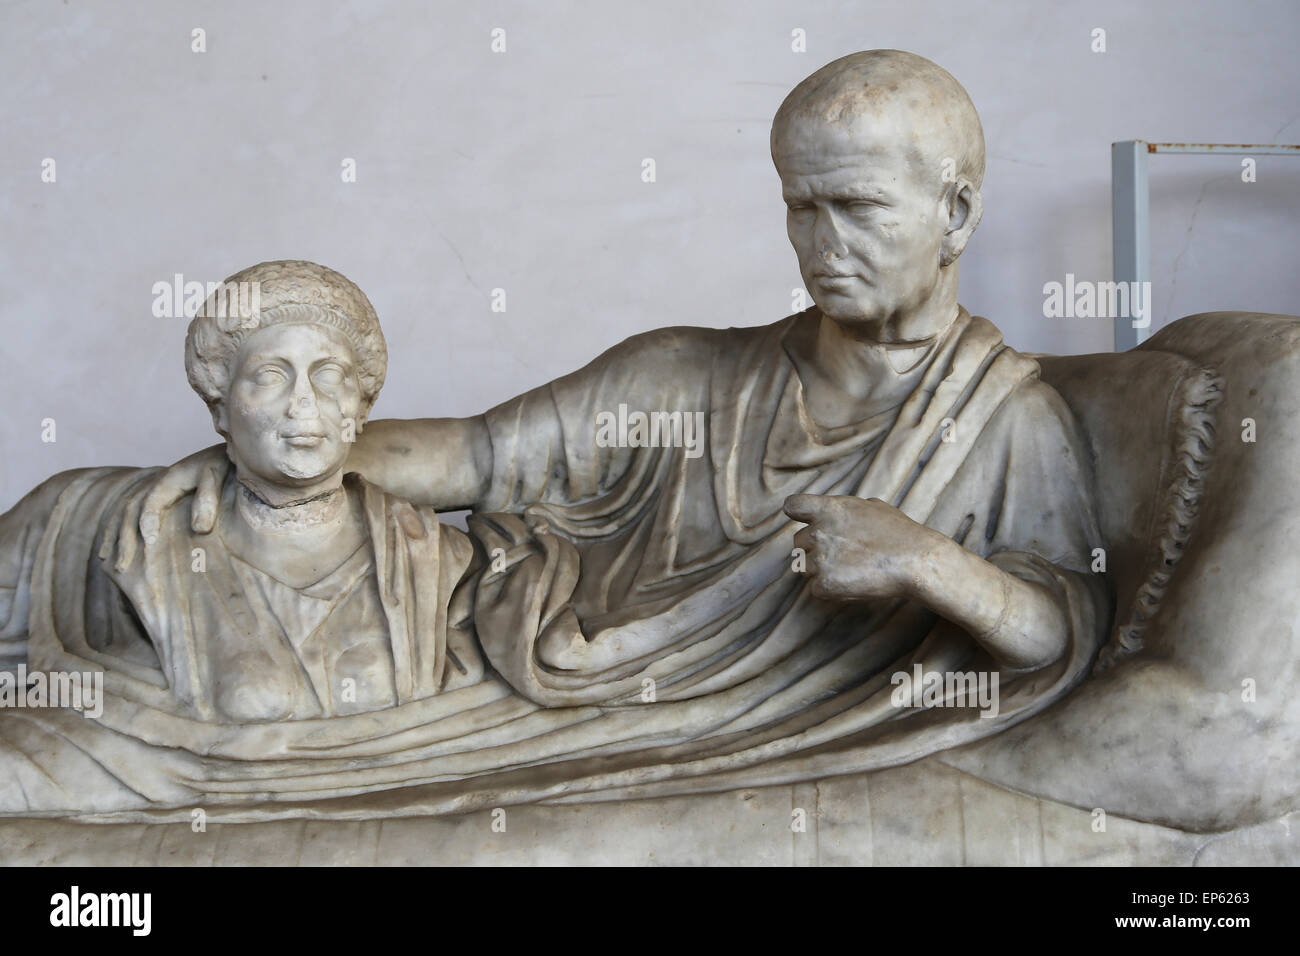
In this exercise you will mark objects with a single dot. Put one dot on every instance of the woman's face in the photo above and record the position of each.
(291, 410)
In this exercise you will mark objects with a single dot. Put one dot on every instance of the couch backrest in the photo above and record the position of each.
(1145, 414)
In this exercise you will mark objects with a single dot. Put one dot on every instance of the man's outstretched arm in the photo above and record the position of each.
(445, 463)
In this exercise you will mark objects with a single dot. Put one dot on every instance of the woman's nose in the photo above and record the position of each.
(303, 403)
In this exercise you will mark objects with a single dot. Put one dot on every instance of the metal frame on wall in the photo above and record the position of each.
(1131, 215)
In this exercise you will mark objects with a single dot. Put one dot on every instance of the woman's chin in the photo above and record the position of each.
(292, 484)
(300, 470)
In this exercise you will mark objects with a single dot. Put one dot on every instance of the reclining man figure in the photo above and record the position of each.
(946, 490)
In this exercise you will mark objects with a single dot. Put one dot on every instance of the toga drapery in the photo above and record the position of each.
(645, 628)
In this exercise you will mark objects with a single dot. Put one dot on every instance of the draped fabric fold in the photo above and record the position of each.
(643, 625)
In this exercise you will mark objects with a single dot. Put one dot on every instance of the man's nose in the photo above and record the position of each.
(827, 240)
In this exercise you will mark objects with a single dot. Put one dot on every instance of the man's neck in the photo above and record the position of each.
(848, 357)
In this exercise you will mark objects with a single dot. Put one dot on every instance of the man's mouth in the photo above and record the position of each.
(303, 439)
(836, 284)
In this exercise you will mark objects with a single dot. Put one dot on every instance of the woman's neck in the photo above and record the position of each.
(327, 509)
(298, 544)
(279, 496)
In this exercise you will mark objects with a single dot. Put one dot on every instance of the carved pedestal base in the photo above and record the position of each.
(926, 813)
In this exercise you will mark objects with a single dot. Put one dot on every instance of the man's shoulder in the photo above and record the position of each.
(690, 344)
(679, 337)
(1036, 412)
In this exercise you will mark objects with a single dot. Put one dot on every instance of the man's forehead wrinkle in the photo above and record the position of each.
(864, 175)
(849, 190)
(880, 184)
(867, 155)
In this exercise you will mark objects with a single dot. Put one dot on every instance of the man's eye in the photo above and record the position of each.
(860, 207)
(268, 375)
(799, 208)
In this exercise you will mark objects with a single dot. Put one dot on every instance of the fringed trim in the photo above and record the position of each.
(1198, 397)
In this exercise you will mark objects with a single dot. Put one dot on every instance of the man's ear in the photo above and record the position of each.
(965, 207)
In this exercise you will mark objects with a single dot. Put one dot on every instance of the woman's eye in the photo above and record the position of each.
(329, 375)
(268, 375)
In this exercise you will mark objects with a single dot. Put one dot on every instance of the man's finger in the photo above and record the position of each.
(112, 535)
(805, 507)
(126, 541)
(203, 512)
(149, 526)
(161, 496)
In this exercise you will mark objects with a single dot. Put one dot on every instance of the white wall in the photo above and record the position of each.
(522, 171)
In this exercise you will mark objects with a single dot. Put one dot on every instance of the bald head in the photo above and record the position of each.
(887, 93)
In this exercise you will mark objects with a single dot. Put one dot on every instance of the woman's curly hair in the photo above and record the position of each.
(289, 290)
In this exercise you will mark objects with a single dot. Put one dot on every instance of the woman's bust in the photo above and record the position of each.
(316, 594)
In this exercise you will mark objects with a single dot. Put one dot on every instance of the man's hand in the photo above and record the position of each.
(202, 473)
(858, 549)
(863, 549)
